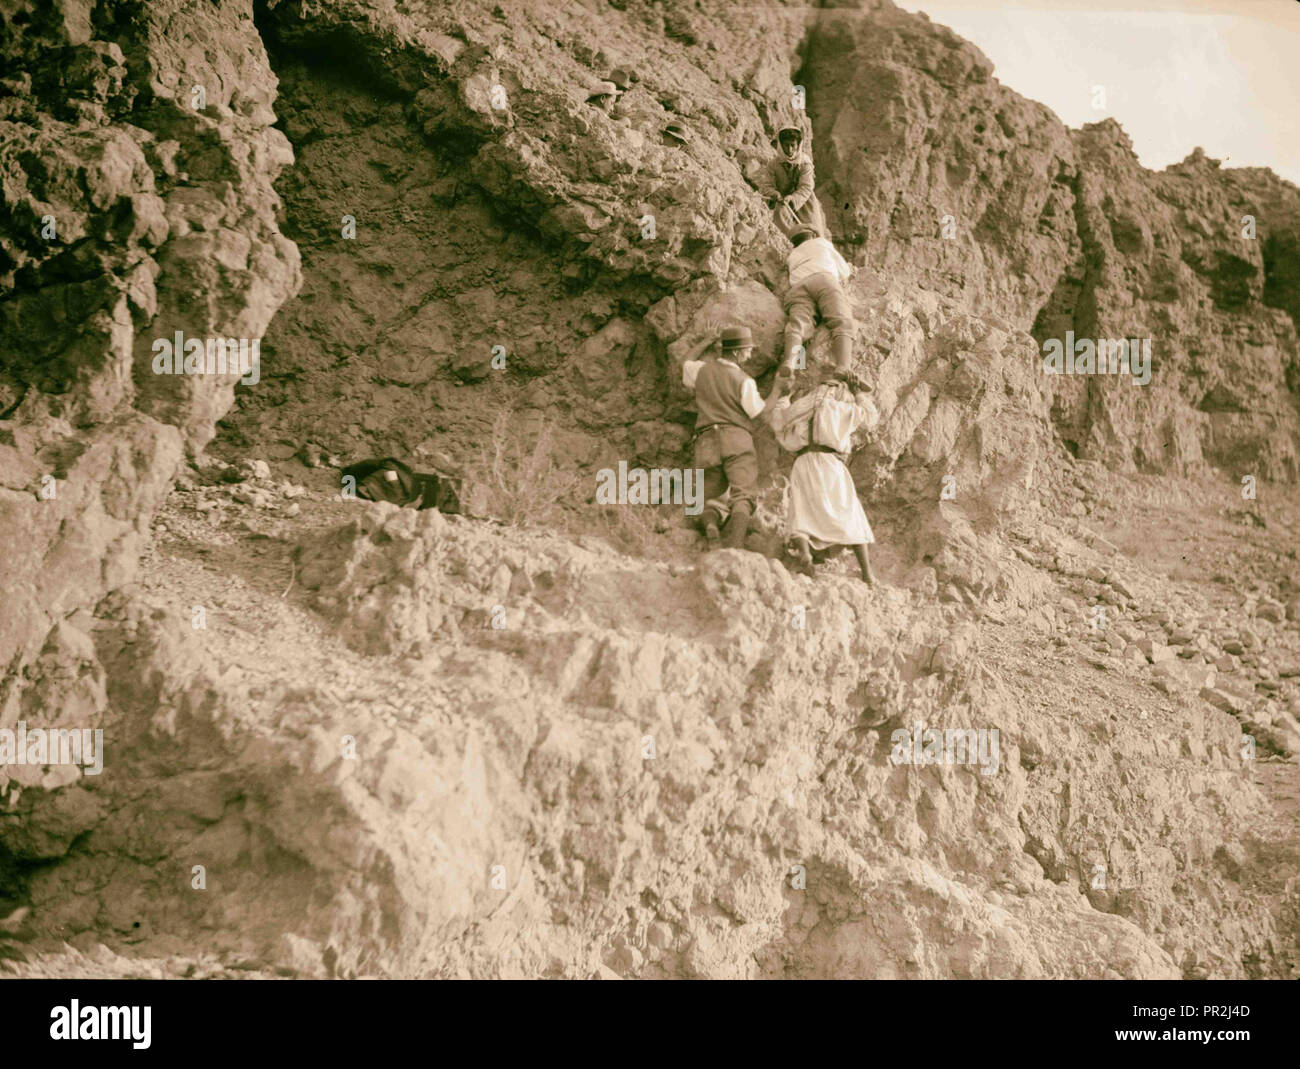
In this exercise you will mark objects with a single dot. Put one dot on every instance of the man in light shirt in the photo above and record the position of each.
(816, 271)
(727, 400)
(824, 513)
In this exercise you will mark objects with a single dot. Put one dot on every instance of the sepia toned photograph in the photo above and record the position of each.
(646, 490)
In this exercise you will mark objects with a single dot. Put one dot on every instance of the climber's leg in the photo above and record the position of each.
(864, 565)
(842, 350)
(742, 480)
(738, 525)
(715, 508)
(799, 311)
(838, 316)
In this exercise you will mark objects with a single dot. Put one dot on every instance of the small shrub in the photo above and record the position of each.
(517, 482)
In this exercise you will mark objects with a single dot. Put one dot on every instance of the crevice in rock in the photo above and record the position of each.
(400, 323)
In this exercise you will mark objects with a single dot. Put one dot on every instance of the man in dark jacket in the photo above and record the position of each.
(788, 185)
(727, 400)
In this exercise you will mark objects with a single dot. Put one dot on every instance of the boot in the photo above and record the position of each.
(801, 551)
(738, 525)
(842, 351)
(709, 519)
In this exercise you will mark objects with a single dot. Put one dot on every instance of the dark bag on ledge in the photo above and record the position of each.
(388, 479)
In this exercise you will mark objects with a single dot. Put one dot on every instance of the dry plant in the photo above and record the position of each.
(517, 482)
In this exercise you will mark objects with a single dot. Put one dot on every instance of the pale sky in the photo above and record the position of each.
(1222, 74)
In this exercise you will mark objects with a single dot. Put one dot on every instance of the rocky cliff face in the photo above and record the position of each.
(138, 162)
(653, 769)
(940, 175)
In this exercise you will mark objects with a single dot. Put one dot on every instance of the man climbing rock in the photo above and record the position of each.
(787, 183)
(816, 271)
(824, 513)
(727, 400)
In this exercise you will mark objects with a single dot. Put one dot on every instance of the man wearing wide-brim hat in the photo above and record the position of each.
(727, 400)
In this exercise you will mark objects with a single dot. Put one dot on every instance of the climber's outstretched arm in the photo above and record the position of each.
(784, 376)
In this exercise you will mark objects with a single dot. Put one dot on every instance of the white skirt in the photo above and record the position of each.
(824, 505)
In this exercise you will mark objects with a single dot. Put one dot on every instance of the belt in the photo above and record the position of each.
(816, 449)
(723, 423)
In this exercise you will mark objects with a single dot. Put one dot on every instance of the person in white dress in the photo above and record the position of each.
(824, 513)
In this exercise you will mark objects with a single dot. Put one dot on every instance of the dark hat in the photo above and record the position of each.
(621, 77)
(804, 233)
(678, 131)
(736, 338)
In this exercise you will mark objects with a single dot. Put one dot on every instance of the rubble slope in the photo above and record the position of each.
(350, 740)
